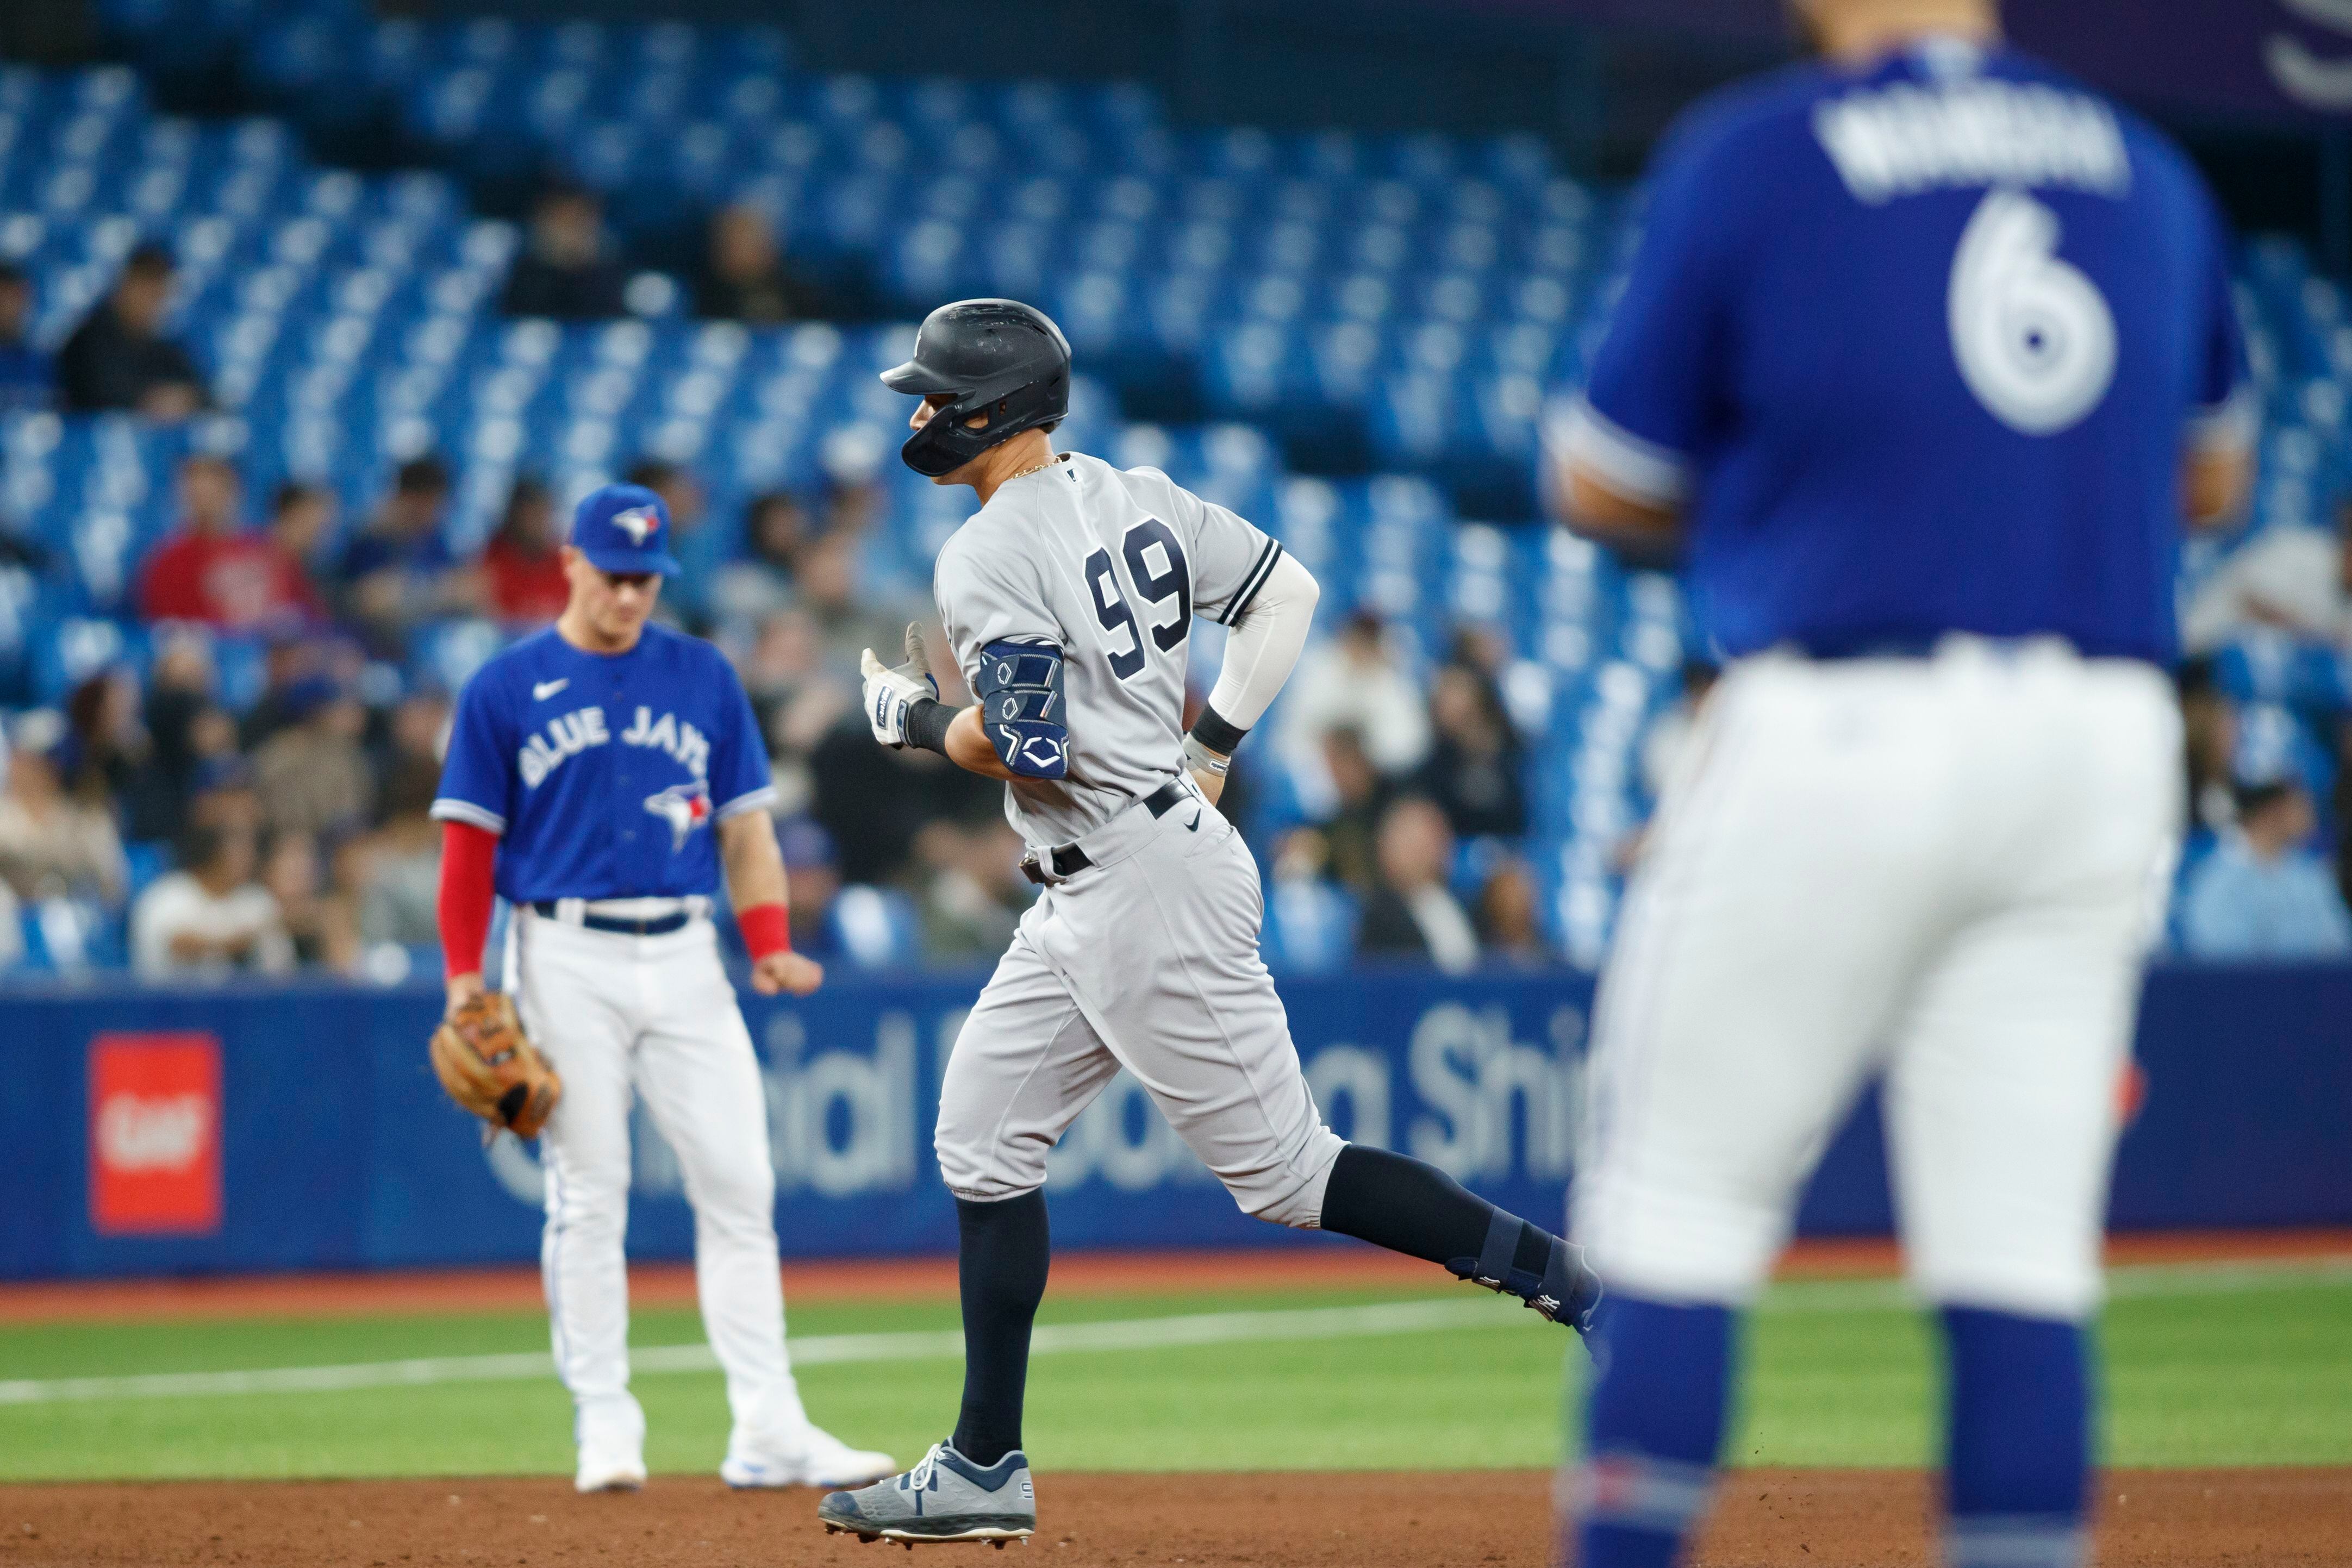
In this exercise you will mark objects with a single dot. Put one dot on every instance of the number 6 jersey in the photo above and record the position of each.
(1917, 349)
(1108, 568)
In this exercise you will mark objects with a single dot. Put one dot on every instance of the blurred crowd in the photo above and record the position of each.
(155, 824)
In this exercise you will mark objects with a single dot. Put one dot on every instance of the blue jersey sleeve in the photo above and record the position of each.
(1656, 379)
(477, 780)
(739, 754)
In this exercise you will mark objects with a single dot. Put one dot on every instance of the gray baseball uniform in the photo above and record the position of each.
(1147, 957)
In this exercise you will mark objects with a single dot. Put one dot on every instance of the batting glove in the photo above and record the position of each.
(890, 690)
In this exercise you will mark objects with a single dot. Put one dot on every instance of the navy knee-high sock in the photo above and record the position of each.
(2018, 1407)
(1395, 1201)
(1002, 1252)
(1653, 1422)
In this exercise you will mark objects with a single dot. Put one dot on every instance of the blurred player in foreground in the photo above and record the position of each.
(1926, 353)
(600, 776)
(1068, 601)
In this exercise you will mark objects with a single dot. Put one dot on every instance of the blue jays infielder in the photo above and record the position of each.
(604, 770)
(1926, 353)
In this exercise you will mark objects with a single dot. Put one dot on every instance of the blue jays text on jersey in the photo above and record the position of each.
(1917, 350)
(601, 773)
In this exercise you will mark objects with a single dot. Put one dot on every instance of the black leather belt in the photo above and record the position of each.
(1069, 860)
(660, 925)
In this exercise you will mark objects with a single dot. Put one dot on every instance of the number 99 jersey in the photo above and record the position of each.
(1917, 349)
(1106, 567)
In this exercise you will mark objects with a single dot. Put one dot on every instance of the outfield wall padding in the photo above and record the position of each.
(227, 1129)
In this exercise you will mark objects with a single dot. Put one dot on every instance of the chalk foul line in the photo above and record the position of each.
(1794, 1298)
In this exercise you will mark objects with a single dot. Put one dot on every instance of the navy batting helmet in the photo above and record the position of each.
(993, 357)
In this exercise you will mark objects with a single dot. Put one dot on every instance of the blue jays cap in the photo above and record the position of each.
(624, 529)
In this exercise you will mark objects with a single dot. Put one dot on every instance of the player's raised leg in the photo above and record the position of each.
(701, 1083)
(2002, 1100)
(561, 977)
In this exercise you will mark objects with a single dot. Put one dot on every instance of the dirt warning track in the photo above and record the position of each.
(1496, 1518)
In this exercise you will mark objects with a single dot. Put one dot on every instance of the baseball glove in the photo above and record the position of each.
(489, 1066)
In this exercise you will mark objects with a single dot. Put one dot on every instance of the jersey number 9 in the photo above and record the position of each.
(1155, 580)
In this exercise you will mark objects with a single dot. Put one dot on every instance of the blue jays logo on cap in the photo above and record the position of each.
(624, 529)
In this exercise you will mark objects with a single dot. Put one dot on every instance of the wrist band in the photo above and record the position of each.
(926, 724)
(767, 928)
(1216, 732)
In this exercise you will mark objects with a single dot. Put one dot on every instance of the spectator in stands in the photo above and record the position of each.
(2209, 732)
(210, 568)
(1510, 925)
(1353, 680)
(401, 879)
(222, 794)
(972, 889)
(811, 881)
(1474, 772)
(212, 917)
(797, 701)
(2295, 579)
(1413, 913)
(313, 775)
(566, 269)
(119, 358)
(849, 618)
(697, 546)
(1359, 797)
(523, 568)
(52, 845)
(321, 922)
(744, 592)
(2261, 894)
(746, 277)
(301, 517)
(108, 744)
(398, 572)
(1311, 923)
(186, 728)
(27, 380)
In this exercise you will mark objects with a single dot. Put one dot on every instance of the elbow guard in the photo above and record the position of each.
(1020, 692)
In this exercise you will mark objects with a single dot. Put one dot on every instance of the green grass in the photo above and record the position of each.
(2261, 1375)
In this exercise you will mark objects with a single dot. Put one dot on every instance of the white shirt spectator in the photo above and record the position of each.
(2292, 578)
(180, 928)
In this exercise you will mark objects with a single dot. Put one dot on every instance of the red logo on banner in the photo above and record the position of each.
(154, 1134)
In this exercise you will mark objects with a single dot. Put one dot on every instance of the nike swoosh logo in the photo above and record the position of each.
(1194, 825)
(546, 689)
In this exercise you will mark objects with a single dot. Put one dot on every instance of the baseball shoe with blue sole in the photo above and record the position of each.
(945, 1498)
(811, 1457)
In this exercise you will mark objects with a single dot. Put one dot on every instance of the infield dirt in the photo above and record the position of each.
(1493, 1519)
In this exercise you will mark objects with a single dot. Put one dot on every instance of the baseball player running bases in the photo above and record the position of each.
(1925, 352)
(599, 774)
(1068, 601)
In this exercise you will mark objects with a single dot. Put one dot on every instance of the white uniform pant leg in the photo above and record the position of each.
(1026, 1063)
(1160, 950)
(573, 1002)
(702, 1085)
(2002, 1094)
(1779, 905)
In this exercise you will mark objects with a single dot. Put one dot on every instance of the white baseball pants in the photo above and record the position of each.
(1147, 960)
(1948, 868)
(617, 1016)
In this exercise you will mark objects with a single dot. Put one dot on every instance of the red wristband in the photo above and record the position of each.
(767, 928)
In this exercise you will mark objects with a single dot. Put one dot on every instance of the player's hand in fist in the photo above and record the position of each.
(787, 971)
(891, 689)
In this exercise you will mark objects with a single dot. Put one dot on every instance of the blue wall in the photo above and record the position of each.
(338, 1150)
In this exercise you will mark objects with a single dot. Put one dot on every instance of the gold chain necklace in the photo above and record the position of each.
(1033, 468)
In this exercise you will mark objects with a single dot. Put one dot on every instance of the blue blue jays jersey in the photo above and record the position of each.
(1919, 349)
(604, 773)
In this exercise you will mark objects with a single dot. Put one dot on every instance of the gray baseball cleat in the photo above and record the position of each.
(945, 1498)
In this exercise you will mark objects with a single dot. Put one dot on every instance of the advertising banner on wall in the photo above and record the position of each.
(173, 1132)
